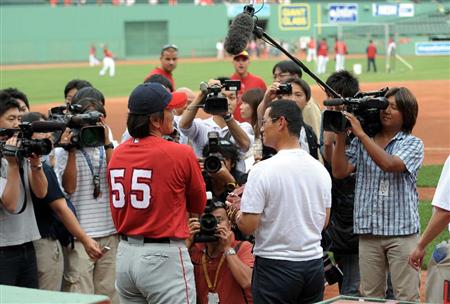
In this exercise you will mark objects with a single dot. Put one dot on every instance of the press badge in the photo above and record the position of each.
(384, 188)
(213, 298)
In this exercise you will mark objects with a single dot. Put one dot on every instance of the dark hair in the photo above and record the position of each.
(407, 105)
(7, 102)
(88, 103)
(88, 92)
(76, 84)
(227, 149)
(303, 84)
(253, 97)
(33, 116)
(290, 111)
(160, 79)
(288, 66)
(344, 83)
(138, 124)
(222, 79)
(17, 94)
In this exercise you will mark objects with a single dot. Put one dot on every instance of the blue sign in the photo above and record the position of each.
(433, 48)
(234, 9)
(343, 13)
(393, 9)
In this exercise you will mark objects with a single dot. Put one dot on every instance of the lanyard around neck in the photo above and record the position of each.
(211, 287)
(89, 162)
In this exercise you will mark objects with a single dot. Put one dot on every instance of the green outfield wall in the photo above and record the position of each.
(34, 34)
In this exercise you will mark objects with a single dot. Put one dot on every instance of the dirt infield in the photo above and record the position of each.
(433, 123)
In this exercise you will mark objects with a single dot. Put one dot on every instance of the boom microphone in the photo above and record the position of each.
(334, 102)
(239, 34)
(47, 126)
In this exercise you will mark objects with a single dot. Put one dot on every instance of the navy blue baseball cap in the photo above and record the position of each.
(152, 97)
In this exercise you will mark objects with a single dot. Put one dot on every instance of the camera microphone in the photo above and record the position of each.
(47, 126)
(240, 33)
(334, 102)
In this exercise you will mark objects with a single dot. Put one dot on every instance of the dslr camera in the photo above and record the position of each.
(208, 223)
(213, 159)
(27, 145)
(365, 106)
(85, 131)
(215, 102)
(284, 89)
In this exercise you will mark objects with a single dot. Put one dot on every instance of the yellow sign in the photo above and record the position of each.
(294, 16)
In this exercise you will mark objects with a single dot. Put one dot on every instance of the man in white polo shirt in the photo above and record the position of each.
(286, 205)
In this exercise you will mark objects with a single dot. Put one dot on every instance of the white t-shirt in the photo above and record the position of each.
(291, 191)
(441, 197)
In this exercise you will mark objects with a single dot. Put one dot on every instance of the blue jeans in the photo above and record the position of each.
(18, 266)
(281, 281)
(349, 264)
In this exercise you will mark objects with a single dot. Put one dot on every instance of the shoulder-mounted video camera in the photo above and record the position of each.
(27, 145)
(215, 102)
(85, 131)
(365, 106)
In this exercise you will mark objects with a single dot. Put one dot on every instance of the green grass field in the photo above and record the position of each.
(47, 84)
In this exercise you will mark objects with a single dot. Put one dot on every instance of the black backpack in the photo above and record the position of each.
(312, 141)
(60, 231)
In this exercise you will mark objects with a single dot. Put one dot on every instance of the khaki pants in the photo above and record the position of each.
(50, 264)
(84, 275)
(377, 254)
(436, 275)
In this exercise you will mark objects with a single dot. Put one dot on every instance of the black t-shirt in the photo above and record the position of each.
(45, 217)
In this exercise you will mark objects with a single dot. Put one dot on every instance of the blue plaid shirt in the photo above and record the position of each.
(386, 203)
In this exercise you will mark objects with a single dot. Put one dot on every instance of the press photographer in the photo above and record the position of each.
(19, 176)
(222, 120)
(223, 268)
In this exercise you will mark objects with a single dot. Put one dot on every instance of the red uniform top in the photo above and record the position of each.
(160, 71)
(153, 184)
(227, 287)
(107, 53)
(312, 44)
(249, 82)
(92, 50)
(340, 48)
(323, 49)
(371, 50)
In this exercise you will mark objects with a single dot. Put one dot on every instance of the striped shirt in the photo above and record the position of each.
(386, 203)
(94, 214)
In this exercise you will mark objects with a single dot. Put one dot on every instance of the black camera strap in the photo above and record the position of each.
(22, 179)
(95, 177)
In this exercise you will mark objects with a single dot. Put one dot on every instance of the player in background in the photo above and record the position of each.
(108, 63)
(93, 61)
(154, 183)
(169, 60)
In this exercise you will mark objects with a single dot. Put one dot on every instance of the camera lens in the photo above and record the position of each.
(208, 223)
(212, 164)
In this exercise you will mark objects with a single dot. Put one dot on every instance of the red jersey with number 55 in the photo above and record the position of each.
(153, 184)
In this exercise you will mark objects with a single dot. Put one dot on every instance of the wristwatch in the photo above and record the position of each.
(227, 117)
(109, 146)
(230, 251)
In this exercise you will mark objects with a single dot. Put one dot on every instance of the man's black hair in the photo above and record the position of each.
(76, 84)
(138, 125)
(88, 92)
(160, 79)
(32, 117)
(291, 113)
(7, 102)
(91, 104)
(343, 83)
(17, 94)
(288, 66)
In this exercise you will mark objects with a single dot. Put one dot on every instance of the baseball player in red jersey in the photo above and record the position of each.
(154, 183)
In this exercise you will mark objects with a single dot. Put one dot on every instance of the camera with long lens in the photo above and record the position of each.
(213, 159)
(208, 223)
(333, 273)
(27, 145)
(365, 106)
(284, 89)
(85, 131)
(215, 102)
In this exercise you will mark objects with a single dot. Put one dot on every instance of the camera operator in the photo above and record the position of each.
(299, 91)
(81, 171)
(386, 200)
(197, 130)
(223, 268)
(18, 178)
(286, 203)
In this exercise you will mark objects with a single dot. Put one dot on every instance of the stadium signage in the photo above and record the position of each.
(397, 10)
(294, 16)
(342, 12)
(433, 48)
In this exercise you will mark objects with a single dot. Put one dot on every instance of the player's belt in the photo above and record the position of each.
(142, 239)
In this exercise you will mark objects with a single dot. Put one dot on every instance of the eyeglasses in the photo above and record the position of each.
(281, 75)
(169, 46)
(273, 119)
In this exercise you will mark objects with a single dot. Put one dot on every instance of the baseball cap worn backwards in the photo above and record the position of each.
(151, 97)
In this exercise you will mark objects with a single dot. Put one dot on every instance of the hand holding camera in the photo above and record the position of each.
(215, 102)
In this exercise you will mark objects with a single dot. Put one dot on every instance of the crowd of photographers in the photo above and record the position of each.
(286, 184)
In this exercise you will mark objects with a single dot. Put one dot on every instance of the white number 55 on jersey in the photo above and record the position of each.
(140, 189)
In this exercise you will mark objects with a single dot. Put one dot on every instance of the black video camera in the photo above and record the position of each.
(284, 89)
(213, 159)
(208, 223)
(333, 273)
(365, 106)
(215, 102)
(28, 145)
(85, 131)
